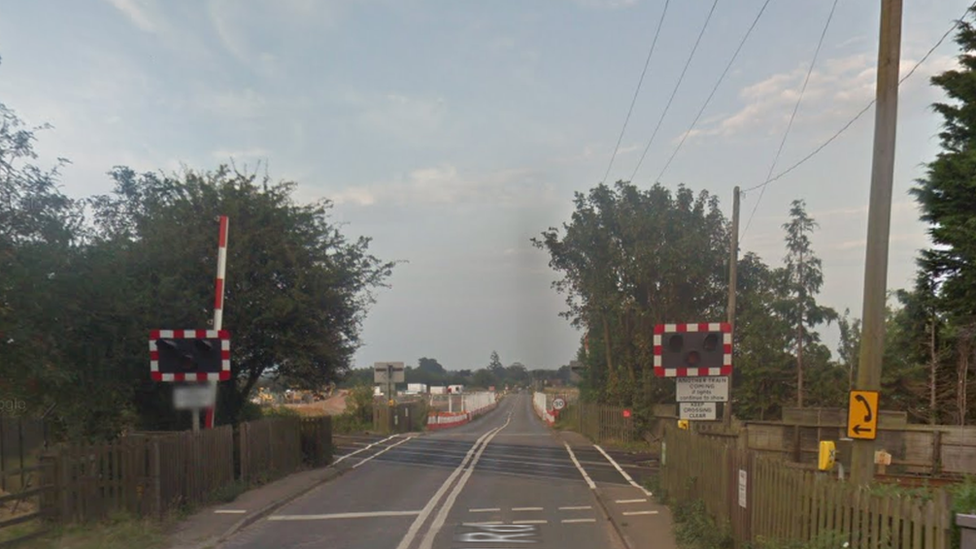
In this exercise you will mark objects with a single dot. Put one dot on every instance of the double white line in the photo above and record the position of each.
(465, 471)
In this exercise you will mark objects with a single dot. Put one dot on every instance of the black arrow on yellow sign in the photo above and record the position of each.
(862, 415)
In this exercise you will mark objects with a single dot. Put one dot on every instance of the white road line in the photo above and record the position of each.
(230, 511)
(576, 508)
(631, 513)
(642, 500)
(486, 523)
(363, 449)
(429, 508)
(441, 518)
(530, 522)
(526, 508)
(372, 514)
(381, 452)
(485, 510)
(574, 521)
(589, 481)
(622, 472)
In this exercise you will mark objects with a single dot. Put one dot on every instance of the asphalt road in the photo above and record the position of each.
(501, 481)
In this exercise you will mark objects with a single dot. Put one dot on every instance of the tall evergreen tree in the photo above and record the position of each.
(947, 196)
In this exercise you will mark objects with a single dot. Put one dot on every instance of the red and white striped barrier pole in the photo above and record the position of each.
(218, 322)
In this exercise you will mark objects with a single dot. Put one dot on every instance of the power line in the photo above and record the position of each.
(796, 107)
(714, 89)
(637, 91)
(675, 91)
(860, 113)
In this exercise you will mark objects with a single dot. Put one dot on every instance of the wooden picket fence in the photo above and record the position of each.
(401, 418)
(151, 474)
(765, 499)
(600, 422)
(270, 447)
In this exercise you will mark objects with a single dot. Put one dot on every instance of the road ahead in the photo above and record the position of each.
(501, 481)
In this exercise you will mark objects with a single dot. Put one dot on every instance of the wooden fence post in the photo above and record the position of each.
(154, 465)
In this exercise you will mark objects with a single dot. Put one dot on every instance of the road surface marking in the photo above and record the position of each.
(574, 521)
(381, 452)
(441, 518)
(631, 501)
(230, 511)
(526, 508)
(371, 514)
(530, 522)
(485, 510)
(622, 472)
(630, 513)
(589, 481)
(364, 449)
(576, 508)
(429, 508)
(486, 523)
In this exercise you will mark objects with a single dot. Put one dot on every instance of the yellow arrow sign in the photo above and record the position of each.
(862, 415)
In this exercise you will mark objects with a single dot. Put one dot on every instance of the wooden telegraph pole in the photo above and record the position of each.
(733, 267)
(879, 226)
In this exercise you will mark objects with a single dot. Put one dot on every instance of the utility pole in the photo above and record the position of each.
(879, 224)
(733, 268)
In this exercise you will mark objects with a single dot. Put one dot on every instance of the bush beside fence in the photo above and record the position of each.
(764, 499)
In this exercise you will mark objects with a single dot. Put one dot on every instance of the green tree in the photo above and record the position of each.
(802, 282)
(849, 347)
(629, 259)
(947, 197)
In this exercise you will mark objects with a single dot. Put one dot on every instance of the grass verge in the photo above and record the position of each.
(117, 532)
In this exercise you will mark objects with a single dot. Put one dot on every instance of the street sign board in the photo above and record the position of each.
(189, 355)
(703, 389)
(194, 396)
(862, 415)
(558, 404)
(388, 372)
(697, 411)
(693, 349)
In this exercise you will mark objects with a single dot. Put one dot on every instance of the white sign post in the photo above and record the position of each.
(743, 494)
(703, 389)
(697, 411)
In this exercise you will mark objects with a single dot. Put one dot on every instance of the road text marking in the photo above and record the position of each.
(334, 516)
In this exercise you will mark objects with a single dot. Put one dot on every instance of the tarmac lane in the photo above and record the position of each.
(501, 481)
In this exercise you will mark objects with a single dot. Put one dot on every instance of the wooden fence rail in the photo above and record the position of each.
(270, 447)
(762, 498)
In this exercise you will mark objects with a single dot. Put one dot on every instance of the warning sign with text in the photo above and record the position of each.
(703, 389)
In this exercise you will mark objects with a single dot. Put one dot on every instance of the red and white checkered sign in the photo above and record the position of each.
(224, 337)
(661, 330)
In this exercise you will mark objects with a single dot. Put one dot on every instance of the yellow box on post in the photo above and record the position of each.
(683, 424)
(827, 455)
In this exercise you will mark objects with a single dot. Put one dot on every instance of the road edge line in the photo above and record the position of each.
(622, 472)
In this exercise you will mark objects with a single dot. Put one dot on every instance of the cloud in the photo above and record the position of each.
(445, 184)
(251, 153)
(137, 11)
(838, 88)
(400, 116)
(233, 104)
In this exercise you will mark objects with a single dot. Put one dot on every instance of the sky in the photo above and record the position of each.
(453, 132)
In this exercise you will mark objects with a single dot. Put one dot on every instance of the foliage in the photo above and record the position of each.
(694, 528)
(79, 294)
(824, 540)
(963, 501)
(279, 411)
(629, 259)
(359, 403)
